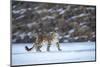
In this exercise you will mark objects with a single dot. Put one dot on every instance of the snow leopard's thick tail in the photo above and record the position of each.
(29, 49)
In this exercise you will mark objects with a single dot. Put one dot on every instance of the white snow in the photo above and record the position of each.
(81, 15)
(66, 40)
(36, 8)
(78, 16)
(19, 11)
(16, 33)
(59, 10)
(14, 6)
(30, 34)
(84, 27)
(71, 31)
(15, 11)
(82, 23)
(90, 8)
(22, 11)
(62, 12)
(48, 17)
(39, 11)
(51, 10)
(76, 38)
(67, 36)
(22, 35)
(44, 18)
(71, 52)
(29, 8)
(20, 17)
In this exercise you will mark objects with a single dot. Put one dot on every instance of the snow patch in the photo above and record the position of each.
(15, 11)
(22, 35)
(62, 12)
(67, 36)
(20, 17)
(71, 31)
(22, 11)
(71, 52)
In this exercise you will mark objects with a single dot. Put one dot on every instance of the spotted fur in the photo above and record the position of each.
(40, 39)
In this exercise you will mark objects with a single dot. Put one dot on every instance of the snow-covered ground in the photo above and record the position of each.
(71, 52)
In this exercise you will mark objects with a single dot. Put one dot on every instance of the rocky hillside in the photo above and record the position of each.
(74, 23)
